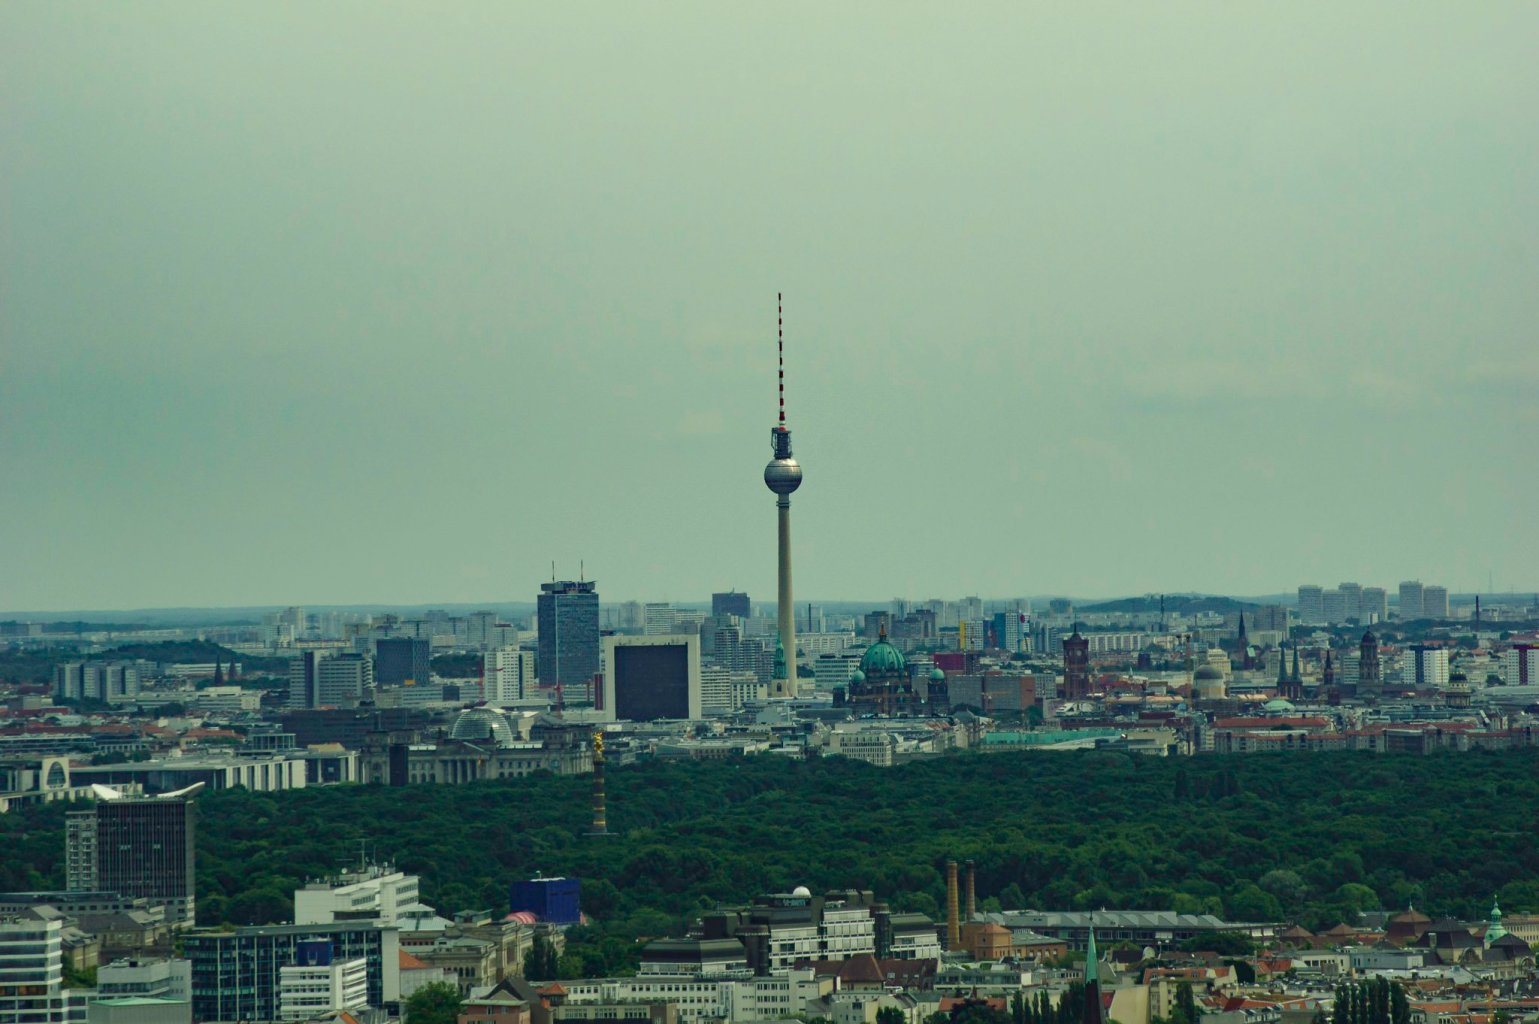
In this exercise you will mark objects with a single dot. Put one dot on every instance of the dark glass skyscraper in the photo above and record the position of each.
(730, 603)
(567, 618)
(136, 847)
(397, 659)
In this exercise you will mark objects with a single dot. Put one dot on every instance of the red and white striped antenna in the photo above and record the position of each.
(780, 346)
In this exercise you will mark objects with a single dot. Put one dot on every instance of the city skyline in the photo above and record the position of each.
(1094, 302)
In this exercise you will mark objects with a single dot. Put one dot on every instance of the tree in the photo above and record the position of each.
(1399, 1006)
(1186, 1008)
(890, 1015)
(1341, 1006)
(541, 962)
(435, 1003)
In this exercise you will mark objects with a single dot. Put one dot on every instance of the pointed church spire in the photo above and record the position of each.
(1296, 677)
(1282, 665)
(1093, 1014)
(218, 671)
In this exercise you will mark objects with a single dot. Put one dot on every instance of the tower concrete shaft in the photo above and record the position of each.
(786, 620)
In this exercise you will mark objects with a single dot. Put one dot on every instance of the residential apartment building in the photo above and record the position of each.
(510, 675)
(321, 679)
(111, 682)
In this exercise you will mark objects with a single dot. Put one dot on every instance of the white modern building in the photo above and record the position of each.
(374, 893)
(318, 984)
(32, 972)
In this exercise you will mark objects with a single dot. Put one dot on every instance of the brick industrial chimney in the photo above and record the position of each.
(953, 925)
(972, 891)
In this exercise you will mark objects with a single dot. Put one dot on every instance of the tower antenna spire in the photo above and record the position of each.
(780, 350)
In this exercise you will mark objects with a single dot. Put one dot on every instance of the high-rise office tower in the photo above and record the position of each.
(783, 475)
(136, 847)
(399, 659)
(319, 680)
(1333, 606)
(731, 603)
(1410, 600)
(1374, 605)
(1311, 604)
(567, 618)
(1434, 602)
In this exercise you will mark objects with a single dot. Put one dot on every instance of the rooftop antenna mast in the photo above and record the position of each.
(780, 350)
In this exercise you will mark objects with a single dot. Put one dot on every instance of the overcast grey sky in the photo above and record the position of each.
(355, 302)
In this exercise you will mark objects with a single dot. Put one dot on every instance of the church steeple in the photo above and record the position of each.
(1297, 678)
(1093, 1014)
(1495, 929)
(1282, 666)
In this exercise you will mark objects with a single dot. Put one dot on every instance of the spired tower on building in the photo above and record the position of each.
(782, 476)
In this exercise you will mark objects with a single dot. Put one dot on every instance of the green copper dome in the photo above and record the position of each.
(857, 676)
(882, 658)
(936, 675)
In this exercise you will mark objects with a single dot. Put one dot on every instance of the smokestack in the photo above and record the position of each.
(953, 925)
(972, 891)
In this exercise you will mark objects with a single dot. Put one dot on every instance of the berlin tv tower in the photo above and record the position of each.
(783, 475)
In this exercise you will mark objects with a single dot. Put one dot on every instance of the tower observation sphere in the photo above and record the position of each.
(783, 475)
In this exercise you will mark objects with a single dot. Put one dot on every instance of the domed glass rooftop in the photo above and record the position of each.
(483, 724)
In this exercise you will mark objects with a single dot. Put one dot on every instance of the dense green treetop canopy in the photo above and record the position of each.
(1313, 838)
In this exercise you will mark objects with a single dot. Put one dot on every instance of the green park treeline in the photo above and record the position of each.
(1312, 838)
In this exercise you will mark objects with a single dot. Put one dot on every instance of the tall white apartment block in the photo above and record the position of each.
(1434, 602)
(509, 675)
(1352, 595)
(1311, 606)
(1410, 600)
(1424, 667)
(1520, 665)
(1373, 606)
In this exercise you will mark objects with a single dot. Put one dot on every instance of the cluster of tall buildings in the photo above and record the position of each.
(1352, 602)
